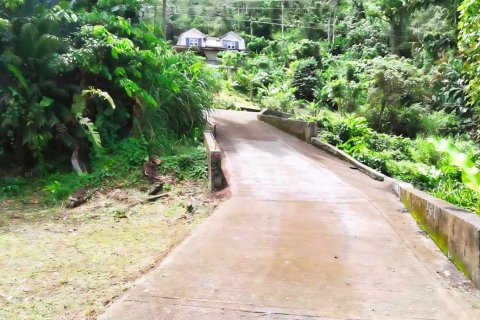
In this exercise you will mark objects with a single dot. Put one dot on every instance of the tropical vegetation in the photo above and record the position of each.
(385, 80)
(90, 87)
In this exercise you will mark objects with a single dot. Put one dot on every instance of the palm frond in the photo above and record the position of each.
(18, 74)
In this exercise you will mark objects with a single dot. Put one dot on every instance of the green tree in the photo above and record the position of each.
(73, 79)
(304, 78)
(469, 45)
(395, 86)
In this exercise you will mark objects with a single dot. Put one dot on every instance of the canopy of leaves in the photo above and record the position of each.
(76, 76)
(469, 45)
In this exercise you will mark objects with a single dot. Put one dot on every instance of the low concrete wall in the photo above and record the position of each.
(216, 178)
(454, 230)
(275, 113)
(301, 129)
(210, 126)
(344, 156)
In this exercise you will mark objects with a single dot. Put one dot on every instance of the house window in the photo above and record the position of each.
(230, 45)
(193, 42)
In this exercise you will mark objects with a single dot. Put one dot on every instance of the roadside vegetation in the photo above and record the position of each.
(445, 167)
(89, 91)
(393, 83)
(97, 112)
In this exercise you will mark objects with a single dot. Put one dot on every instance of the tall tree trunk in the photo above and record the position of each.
(164, 18)
(380, 115)
(406, 47)
(399, 32)
(251, 21)
(332, 20)
(328, 31)
(393, 35)
(359, 10)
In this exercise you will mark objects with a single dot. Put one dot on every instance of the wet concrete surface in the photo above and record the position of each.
(303, 236)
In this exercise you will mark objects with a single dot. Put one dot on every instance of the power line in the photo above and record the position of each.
(208, 16)
(217, 15)
(259, 22)
(279, 8)
(220, 16)
(255, 9)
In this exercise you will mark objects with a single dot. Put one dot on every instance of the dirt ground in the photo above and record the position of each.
(60, 263)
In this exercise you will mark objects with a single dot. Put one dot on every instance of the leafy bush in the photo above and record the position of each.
(254, 43)
(367, 39)
(12, 185)
(118, 165)
(75, 77)
(190, 164)
(449, 96)
(469, 45)
(470, 173)
(396, 95)
(305, 49)
(304, 78)
(116, 161)
(277, 96)
(454, 178)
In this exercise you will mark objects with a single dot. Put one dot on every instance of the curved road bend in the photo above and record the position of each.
(303, 236)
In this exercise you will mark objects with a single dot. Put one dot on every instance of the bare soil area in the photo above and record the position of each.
(58, 263)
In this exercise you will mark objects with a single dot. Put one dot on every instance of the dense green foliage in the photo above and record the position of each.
(470, 46)
(85, 78)
(80, 80)
(115, 166)
(69, 72)
(418, 161)
(304, 78)
(395, 73)
(396, 63)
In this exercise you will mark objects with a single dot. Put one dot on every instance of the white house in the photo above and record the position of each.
(209, 46)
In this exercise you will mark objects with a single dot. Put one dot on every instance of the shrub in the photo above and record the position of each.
(76, 77)
(469, 45)
(277, 96)
(304, 78)
(12, 185)
(454, 178)
(396, 95)
(305, 49)
(189, 164)
(255, 44)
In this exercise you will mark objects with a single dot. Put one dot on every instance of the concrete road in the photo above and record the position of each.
(303, 236)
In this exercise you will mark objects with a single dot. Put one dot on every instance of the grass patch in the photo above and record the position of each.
(118, 166)
(59, 263)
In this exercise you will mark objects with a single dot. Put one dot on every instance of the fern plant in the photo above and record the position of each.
(73, 74)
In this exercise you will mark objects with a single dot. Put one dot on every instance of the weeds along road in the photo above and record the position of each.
(302, 237)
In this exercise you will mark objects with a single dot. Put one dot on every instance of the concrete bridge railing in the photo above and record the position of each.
(216, 179)
(301, 129)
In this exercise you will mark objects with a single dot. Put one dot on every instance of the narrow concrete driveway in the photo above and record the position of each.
(304, 236)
